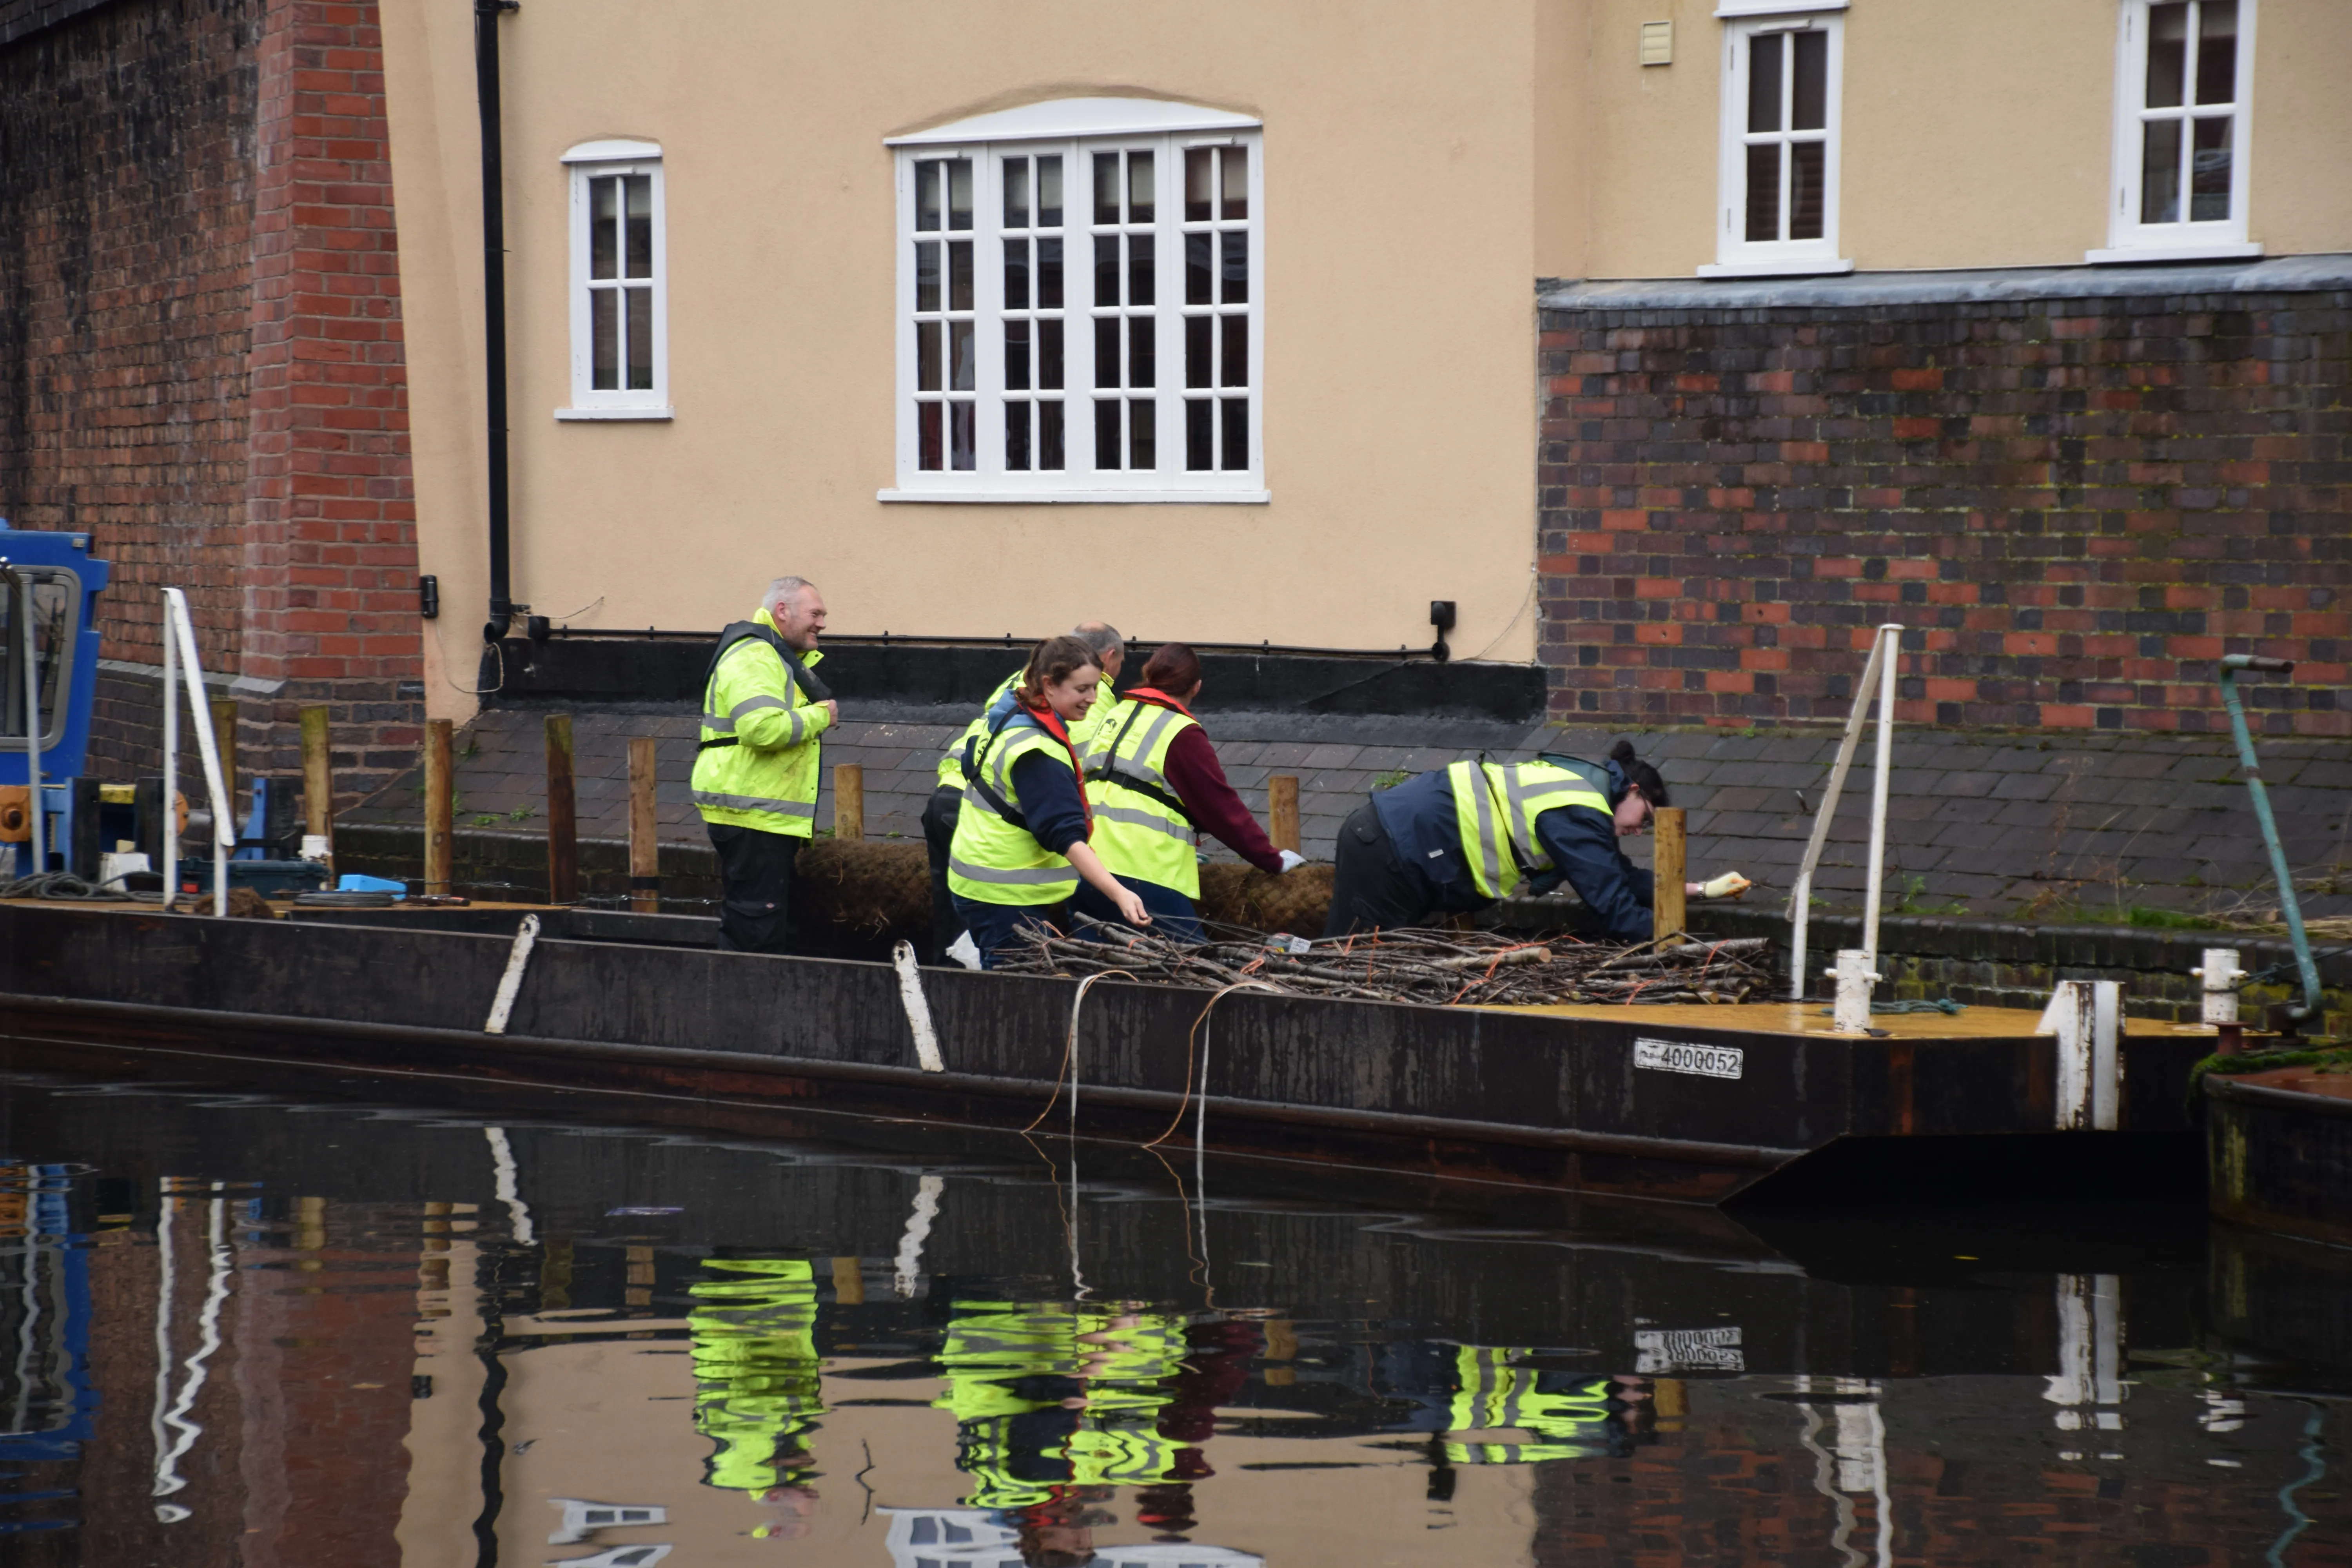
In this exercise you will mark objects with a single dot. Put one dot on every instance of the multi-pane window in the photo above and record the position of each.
(1216, 307)
(2186, 67)
(1080, 318)
(619, 334)
(1781, 145)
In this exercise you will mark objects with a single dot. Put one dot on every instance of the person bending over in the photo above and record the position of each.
(1455, 840)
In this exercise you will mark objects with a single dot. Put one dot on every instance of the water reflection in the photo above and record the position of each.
(241, 1331)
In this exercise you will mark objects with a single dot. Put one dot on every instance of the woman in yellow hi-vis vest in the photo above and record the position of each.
(1155, 786)
(1020, 837)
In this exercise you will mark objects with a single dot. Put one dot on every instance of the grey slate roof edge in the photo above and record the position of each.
(2284, 274)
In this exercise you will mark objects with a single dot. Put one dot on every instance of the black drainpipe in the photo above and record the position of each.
(494, 300)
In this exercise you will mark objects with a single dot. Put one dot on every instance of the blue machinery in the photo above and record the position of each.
(49, 668)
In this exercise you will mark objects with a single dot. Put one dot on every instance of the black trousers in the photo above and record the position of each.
(939, 814)
(755, 876)
(1371, 888)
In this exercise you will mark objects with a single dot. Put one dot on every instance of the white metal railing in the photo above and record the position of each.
(179, 647)
(1878, 675)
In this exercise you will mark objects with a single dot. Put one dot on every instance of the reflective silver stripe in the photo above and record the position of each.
(1490, 859)
(1036, 877)
(1131, 817)
(1521, 791)
(714, 722)
(799, 716)
(713, 799)
(975, 801)
(1147, 744)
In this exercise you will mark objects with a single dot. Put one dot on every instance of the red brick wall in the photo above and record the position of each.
(2073, 507)
(201, 360)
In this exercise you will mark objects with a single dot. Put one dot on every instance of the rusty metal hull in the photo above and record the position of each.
(1516, 1098)
(2279, 1152)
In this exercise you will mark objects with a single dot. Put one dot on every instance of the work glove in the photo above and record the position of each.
(1291, 859)
(1730, 885)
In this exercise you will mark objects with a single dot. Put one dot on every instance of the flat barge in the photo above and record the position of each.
(1693, 1104)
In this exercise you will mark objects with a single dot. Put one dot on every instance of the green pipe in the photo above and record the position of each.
(2252, 771)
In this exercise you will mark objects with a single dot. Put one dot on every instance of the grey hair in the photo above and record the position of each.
(1099, 635)
(782, 589)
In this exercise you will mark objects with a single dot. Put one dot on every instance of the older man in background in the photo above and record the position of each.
(757, 768)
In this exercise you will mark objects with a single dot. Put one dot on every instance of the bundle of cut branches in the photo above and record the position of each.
(1468, 968)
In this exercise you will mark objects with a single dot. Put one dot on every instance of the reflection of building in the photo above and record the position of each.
(940, 1537)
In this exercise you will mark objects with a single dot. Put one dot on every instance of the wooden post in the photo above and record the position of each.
(1666, 902)
(848, 803)
(437, 802)
(1282, 811)
(563, 815)
(645, 848)
(225, 737)
(317, 773)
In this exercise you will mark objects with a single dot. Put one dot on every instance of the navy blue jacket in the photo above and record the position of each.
(1048, 793)
(1581, 842)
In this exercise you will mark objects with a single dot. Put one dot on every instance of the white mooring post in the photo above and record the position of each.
(2221, 973)
(1854, 977)
(1879, 677)
(180, 649)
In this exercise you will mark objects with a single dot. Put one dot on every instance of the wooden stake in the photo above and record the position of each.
(1666, 902)
(563, 815)
(225, 737)
(645, 848)
(848, 803)
(437, 802)
(1282, 811)
(317, 773)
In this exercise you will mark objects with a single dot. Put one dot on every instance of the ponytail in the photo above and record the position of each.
(1638, 773)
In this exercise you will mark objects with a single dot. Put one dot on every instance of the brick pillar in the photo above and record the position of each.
(330, 541)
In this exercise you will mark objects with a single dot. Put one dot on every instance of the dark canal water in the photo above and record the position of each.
(241, 1329)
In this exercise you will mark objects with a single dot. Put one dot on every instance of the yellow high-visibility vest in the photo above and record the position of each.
(768, 778)
(993, 859)
(1140, 829)
(1495, 808)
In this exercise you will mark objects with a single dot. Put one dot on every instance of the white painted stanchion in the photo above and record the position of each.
(918, 1009)
(2087, 1018)
(180, 660)
(1878, 675)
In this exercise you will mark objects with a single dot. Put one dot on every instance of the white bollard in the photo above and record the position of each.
(1854, 978)
(2221, 973)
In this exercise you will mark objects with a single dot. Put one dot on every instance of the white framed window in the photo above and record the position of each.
(1778, 180)
(1080, 308)
(2184, 81)
(619, 283)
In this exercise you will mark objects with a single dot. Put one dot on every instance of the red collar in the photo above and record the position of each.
(1158, 699)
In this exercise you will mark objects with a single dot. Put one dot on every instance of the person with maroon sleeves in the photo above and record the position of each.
(1155, 786)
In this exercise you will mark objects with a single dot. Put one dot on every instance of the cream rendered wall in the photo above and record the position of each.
(1976, 134)
(2300, 163)
(1398, 432)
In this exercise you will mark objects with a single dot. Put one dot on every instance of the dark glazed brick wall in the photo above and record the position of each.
(2073, 506)
(201, 358)
(127, 144)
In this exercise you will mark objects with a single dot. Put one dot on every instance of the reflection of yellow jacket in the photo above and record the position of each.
(755, 1369)
(1492, 1395)
(1115, 1362)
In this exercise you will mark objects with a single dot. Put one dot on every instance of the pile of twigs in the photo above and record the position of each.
(1466, 967)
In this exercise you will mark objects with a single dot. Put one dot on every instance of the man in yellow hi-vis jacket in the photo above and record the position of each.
(756, 769)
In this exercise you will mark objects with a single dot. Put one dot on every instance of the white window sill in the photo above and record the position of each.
(1081, 498)
(2195, 250)
(664, 411)
(1821, 268)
